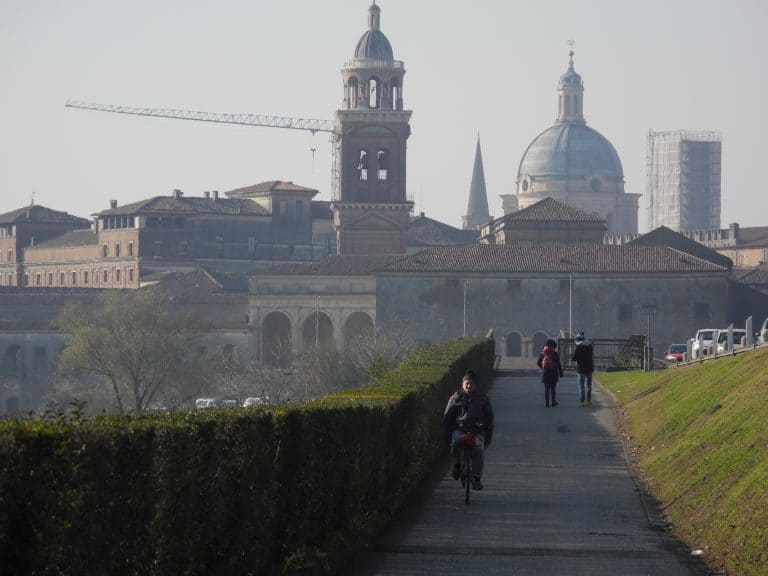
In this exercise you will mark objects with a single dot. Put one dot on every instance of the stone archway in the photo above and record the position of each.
(317, 332)
(276, 344)
(358, 333)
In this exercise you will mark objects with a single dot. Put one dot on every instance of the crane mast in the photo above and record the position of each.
(306, 124)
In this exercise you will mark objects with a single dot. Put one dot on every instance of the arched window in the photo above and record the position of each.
(317, 333)
(363, 164)
(382, 159)
(374, 93)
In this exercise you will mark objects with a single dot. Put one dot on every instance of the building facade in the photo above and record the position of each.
(683, 180)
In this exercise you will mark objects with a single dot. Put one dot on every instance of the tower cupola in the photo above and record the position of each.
(570, 92)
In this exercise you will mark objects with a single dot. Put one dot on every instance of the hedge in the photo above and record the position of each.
(225, 491)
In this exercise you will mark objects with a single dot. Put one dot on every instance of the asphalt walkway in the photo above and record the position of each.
(559, 498)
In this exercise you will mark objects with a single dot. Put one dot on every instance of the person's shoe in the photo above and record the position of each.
(456, 471)
(476, 484)
(554, 404)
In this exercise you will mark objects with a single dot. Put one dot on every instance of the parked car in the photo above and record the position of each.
(676, 352)
(207, 403)
(704, 337)
(722, 339)
(762, 335)
(252, 402)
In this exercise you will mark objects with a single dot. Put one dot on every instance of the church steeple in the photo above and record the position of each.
(570, 92)
(477, 208)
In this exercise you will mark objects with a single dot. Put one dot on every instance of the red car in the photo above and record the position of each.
(676, 352)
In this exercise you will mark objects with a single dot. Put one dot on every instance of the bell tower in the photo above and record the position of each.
(371, 212)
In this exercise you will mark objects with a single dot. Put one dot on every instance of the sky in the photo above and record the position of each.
(488, 67)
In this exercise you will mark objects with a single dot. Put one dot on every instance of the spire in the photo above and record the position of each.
(570, 92)
(477, 208)
(374, 16)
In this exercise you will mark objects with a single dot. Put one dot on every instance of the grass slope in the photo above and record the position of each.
(701, 433)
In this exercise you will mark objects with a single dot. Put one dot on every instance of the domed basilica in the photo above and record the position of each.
(575, 164)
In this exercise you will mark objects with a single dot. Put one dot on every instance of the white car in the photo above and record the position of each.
(252, 402)
(738, 335)
(704, 337)
(207, 403)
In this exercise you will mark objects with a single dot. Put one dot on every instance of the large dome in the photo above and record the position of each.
(571, 151)
(373, 45)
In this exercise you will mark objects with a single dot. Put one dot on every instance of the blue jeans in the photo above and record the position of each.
(585, 386)
(478, 452)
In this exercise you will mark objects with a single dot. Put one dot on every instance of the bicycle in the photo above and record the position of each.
(465, 443)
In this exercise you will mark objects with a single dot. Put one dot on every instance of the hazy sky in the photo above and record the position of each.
(489, 67)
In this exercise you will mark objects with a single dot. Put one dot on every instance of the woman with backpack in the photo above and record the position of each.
(551, 371)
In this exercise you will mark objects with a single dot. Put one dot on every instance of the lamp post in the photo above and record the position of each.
(464, 332)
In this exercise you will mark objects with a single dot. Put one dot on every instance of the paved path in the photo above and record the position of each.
(559, 498)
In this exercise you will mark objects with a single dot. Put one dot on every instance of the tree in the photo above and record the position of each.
(135, 341)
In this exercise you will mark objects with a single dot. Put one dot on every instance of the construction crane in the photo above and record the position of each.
(306, 124)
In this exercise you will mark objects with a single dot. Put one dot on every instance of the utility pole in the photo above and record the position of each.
(464, 333)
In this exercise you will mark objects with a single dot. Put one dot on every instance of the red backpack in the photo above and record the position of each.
(548, 361)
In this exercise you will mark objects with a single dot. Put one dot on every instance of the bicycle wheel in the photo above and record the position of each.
(467, 472)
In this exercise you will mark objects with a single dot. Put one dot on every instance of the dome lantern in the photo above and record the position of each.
(570, 92)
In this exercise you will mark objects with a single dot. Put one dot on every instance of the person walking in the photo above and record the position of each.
(469, 411)
(551, 371)
(584, 356)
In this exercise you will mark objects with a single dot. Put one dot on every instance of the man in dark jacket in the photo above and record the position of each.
(551, 371)
(469, 411)
(583, 355)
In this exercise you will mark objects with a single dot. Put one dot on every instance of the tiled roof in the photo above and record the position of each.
(38, 213)
(189, 206)
(753, 236)
(75, 238)
(757, 275)
(553, 257)
(551, 210)
(335, 265)
(322, 209)
(427, 232)
(263, 188)
(663, 236)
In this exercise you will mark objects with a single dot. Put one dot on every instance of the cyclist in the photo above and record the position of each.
(469, 411)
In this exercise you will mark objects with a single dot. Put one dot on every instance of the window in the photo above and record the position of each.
(130, 248)
(85, 277)
(701, 311)
(26, 279)
(117, 249)
(10, 255)
(50, 278)
(106, 276)
(37, 279)
(104, 250)
(382, 157)
(74, 278)
(362, 164)
(10, 279)
(117, 275)
(61, 278)
(130, 274)
(625, 312)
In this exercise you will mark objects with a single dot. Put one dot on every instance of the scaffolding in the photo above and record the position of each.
(683, 174)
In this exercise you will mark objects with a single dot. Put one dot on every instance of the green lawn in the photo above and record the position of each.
(702, 437)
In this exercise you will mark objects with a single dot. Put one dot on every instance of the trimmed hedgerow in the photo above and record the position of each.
(226, 491)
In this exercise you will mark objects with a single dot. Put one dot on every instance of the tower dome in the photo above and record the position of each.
(575, 164)
(373, 45)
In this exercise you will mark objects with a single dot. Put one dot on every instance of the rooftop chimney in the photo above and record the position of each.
(215, 195)
(177, 193)
(206, 194)
(113, 204)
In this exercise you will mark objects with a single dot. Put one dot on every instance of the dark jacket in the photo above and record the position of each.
(550, 376)
(583, 355)
(472, 413)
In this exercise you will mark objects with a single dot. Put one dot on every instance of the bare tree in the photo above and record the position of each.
(133, 340)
